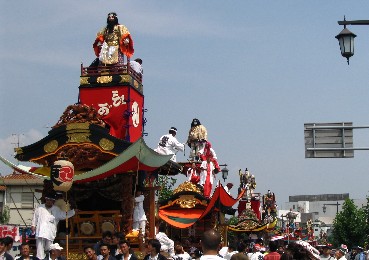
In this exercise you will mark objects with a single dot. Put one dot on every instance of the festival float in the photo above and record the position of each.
(96, 157)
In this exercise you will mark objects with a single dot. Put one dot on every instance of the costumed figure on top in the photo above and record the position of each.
(168, 144)
(113, 42)
(193, 174)
(244, 180)
(291, 216)
(197, 136)
(269, 207)
(139, 216)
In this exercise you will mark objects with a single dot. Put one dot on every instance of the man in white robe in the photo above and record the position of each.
(44, 224)
(139, 216)
(168, 144)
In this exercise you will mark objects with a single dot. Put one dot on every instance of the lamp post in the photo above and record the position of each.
(224, 171)
(346, 37)
(328, 204)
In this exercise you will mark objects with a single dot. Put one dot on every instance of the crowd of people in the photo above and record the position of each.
(114, 246)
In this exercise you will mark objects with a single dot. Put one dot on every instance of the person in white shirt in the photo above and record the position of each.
(136, 65)
(256, 254)
(167, 244)
(168, 144)
(44, 224)
(139, 216)
(180, 254)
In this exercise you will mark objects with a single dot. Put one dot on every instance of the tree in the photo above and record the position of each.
(166, 185)
(366, 212)
(5, 215)
(349, 226)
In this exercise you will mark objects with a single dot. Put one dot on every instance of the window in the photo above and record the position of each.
(27, 200)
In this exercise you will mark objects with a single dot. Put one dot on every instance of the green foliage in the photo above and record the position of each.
(366, 213)
(5, 215)
(350, 225)
(166, 184)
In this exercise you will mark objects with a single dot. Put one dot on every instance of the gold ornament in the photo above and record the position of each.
(106, 144)
(104, 79)
(51, 146)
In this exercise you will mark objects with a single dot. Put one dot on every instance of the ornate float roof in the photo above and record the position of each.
(138, 156)
(187, 205)
(86, 145)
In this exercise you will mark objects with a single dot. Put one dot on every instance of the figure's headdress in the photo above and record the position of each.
(112, 15)
(195, 122)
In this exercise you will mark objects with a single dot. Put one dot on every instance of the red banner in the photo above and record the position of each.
(10, 231)
(121, 107)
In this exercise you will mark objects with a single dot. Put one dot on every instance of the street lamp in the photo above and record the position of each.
(328, 204)
(346, 37)
(224, 171)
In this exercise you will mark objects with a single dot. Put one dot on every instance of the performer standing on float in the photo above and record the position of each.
(113, 42)
(139, 216)
(207, 176)
(44, 224)
(168, 144)
(208, 152)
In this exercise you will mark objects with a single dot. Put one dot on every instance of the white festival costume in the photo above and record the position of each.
(168, 144)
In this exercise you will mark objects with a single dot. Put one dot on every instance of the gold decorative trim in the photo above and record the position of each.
(73, 126)
(79, 138)
(106, 144)
(51, 146)
(76, 256)
(84, 80)
(187, 186)
(187, 201)
(135, 84)
(18, 150)
(104, 79)
(125, 78)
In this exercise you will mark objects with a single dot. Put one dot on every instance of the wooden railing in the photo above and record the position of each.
(110, 70)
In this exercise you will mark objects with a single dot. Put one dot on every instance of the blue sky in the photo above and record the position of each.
(253, 72)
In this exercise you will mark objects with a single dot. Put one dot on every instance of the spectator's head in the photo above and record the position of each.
(104, 250)
(8, 242)
(117, 236)
(239, 256)
(24, 250)
(241, 247)
(89, 252)
(210, 242)
(153, 246)
(162, 227)
(178, 249)
(55, 250)
(273, 246)
(107, 237)
(124, 247)
(2, 246)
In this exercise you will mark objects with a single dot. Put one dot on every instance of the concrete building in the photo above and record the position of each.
(21, 193)
(321, 209)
